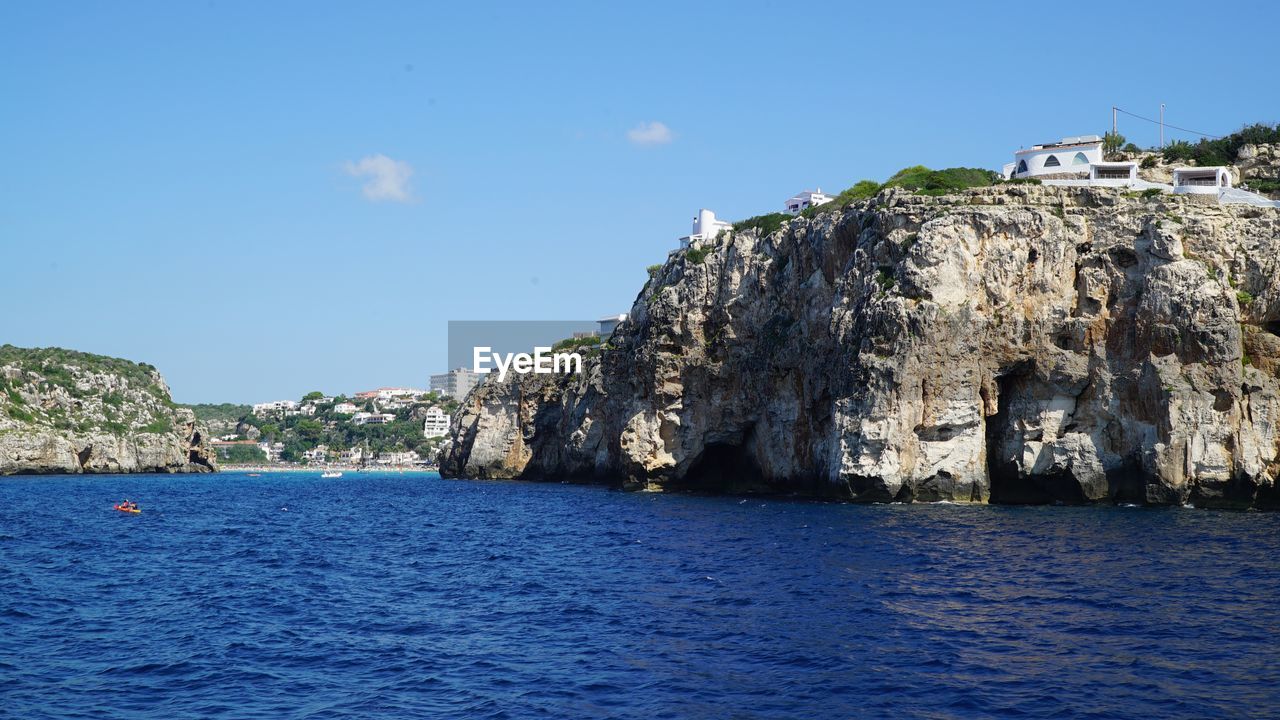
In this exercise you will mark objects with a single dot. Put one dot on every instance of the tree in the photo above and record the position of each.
(313, 395)
(1112, 142)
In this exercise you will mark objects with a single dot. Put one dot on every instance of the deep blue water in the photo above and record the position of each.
(407, 595)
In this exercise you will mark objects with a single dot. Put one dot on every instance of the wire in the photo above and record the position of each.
(1175, 127)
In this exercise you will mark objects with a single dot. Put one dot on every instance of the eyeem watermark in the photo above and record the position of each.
(490, 348)
(541, 362)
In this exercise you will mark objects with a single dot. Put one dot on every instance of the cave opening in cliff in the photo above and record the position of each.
(725, 467)
(1005, 437)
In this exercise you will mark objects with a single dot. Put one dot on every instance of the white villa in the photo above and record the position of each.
(1066, 157)
(705, 227)
(345, 408)
(807, 199)
(1201, 180)
(436, 423)
(364, 418)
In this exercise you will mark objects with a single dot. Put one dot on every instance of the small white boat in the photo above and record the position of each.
(331, 474)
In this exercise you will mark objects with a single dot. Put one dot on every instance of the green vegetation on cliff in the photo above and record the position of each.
(1221, 151)
(82, 392)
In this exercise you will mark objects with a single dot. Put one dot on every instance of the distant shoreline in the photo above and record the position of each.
(223, 467)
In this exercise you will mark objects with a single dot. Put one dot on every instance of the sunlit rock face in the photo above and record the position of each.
(1014, 344)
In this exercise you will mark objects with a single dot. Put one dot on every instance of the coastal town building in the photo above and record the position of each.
(364, 418)
(610, 323)
(1201, 180)
(435, 424)
(801, 201)
(1068, 157)
(388, 393)
(275, 407)
(272, 450)
(345, 408)
(456, 383)
(318, 454)
(353, 456)
(705, 227)
(407, 457)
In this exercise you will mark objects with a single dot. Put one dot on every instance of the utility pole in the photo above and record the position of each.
(1161, 124)
(1113, 119)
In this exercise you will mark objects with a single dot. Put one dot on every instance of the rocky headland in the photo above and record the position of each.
(63, 411)
(1013, 344)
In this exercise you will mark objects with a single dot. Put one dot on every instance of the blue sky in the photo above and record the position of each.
(182, 181)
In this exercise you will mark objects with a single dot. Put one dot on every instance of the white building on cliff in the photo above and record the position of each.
(804, 200)
(705, 227)
(1068, 157)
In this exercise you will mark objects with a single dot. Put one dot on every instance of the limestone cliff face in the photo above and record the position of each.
(1017, 344)
(68, 412)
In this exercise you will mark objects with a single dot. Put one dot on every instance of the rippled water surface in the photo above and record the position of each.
(405, 595)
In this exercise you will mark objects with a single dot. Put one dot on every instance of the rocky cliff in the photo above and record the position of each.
(69, 412)
(1013, 344)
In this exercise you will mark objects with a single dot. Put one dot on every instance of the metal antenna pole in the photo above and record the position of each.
(1161, 124)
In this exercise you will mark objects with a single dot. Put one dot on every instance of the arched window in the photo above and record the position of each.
(1079, 159)
(1022, 166)
(1052, 161)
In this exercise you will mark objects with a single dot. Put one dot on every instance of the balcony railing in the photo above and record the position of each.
(1202, 182)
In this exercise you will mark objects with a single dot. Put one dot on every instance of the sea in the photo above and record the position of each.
(404, 595)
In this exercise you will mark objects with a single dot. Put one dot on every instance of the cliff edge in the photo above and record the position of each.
(1012, 344)
(63, 411)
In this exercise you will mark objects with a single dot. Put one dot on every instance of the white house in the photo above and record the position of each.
(318, 454)
(354, 455)
(1068, 156)
(1201, 180)
(705, 227)
(364, 418)
(807, 199)
(1119, 174)
(345, 408)
(436, 423)
(609, 324)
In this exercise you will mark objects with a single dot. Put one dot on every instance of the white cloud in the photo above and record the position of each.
(385, 179)
(650, 133)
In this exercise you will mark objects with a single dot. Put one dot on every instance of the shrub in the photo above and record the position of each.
(1150, 193)
(20, 415)
(696, 255)
(1243, 297)
(940, 182)
(1131, 148)
(766, 224)
(158, 427)
(1148, 162)
(653, 270)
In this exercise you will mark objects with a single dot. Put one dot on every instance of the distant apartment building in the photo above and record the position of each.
(456, 383)
(354, 456)
(436, 423)
(802, 201)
